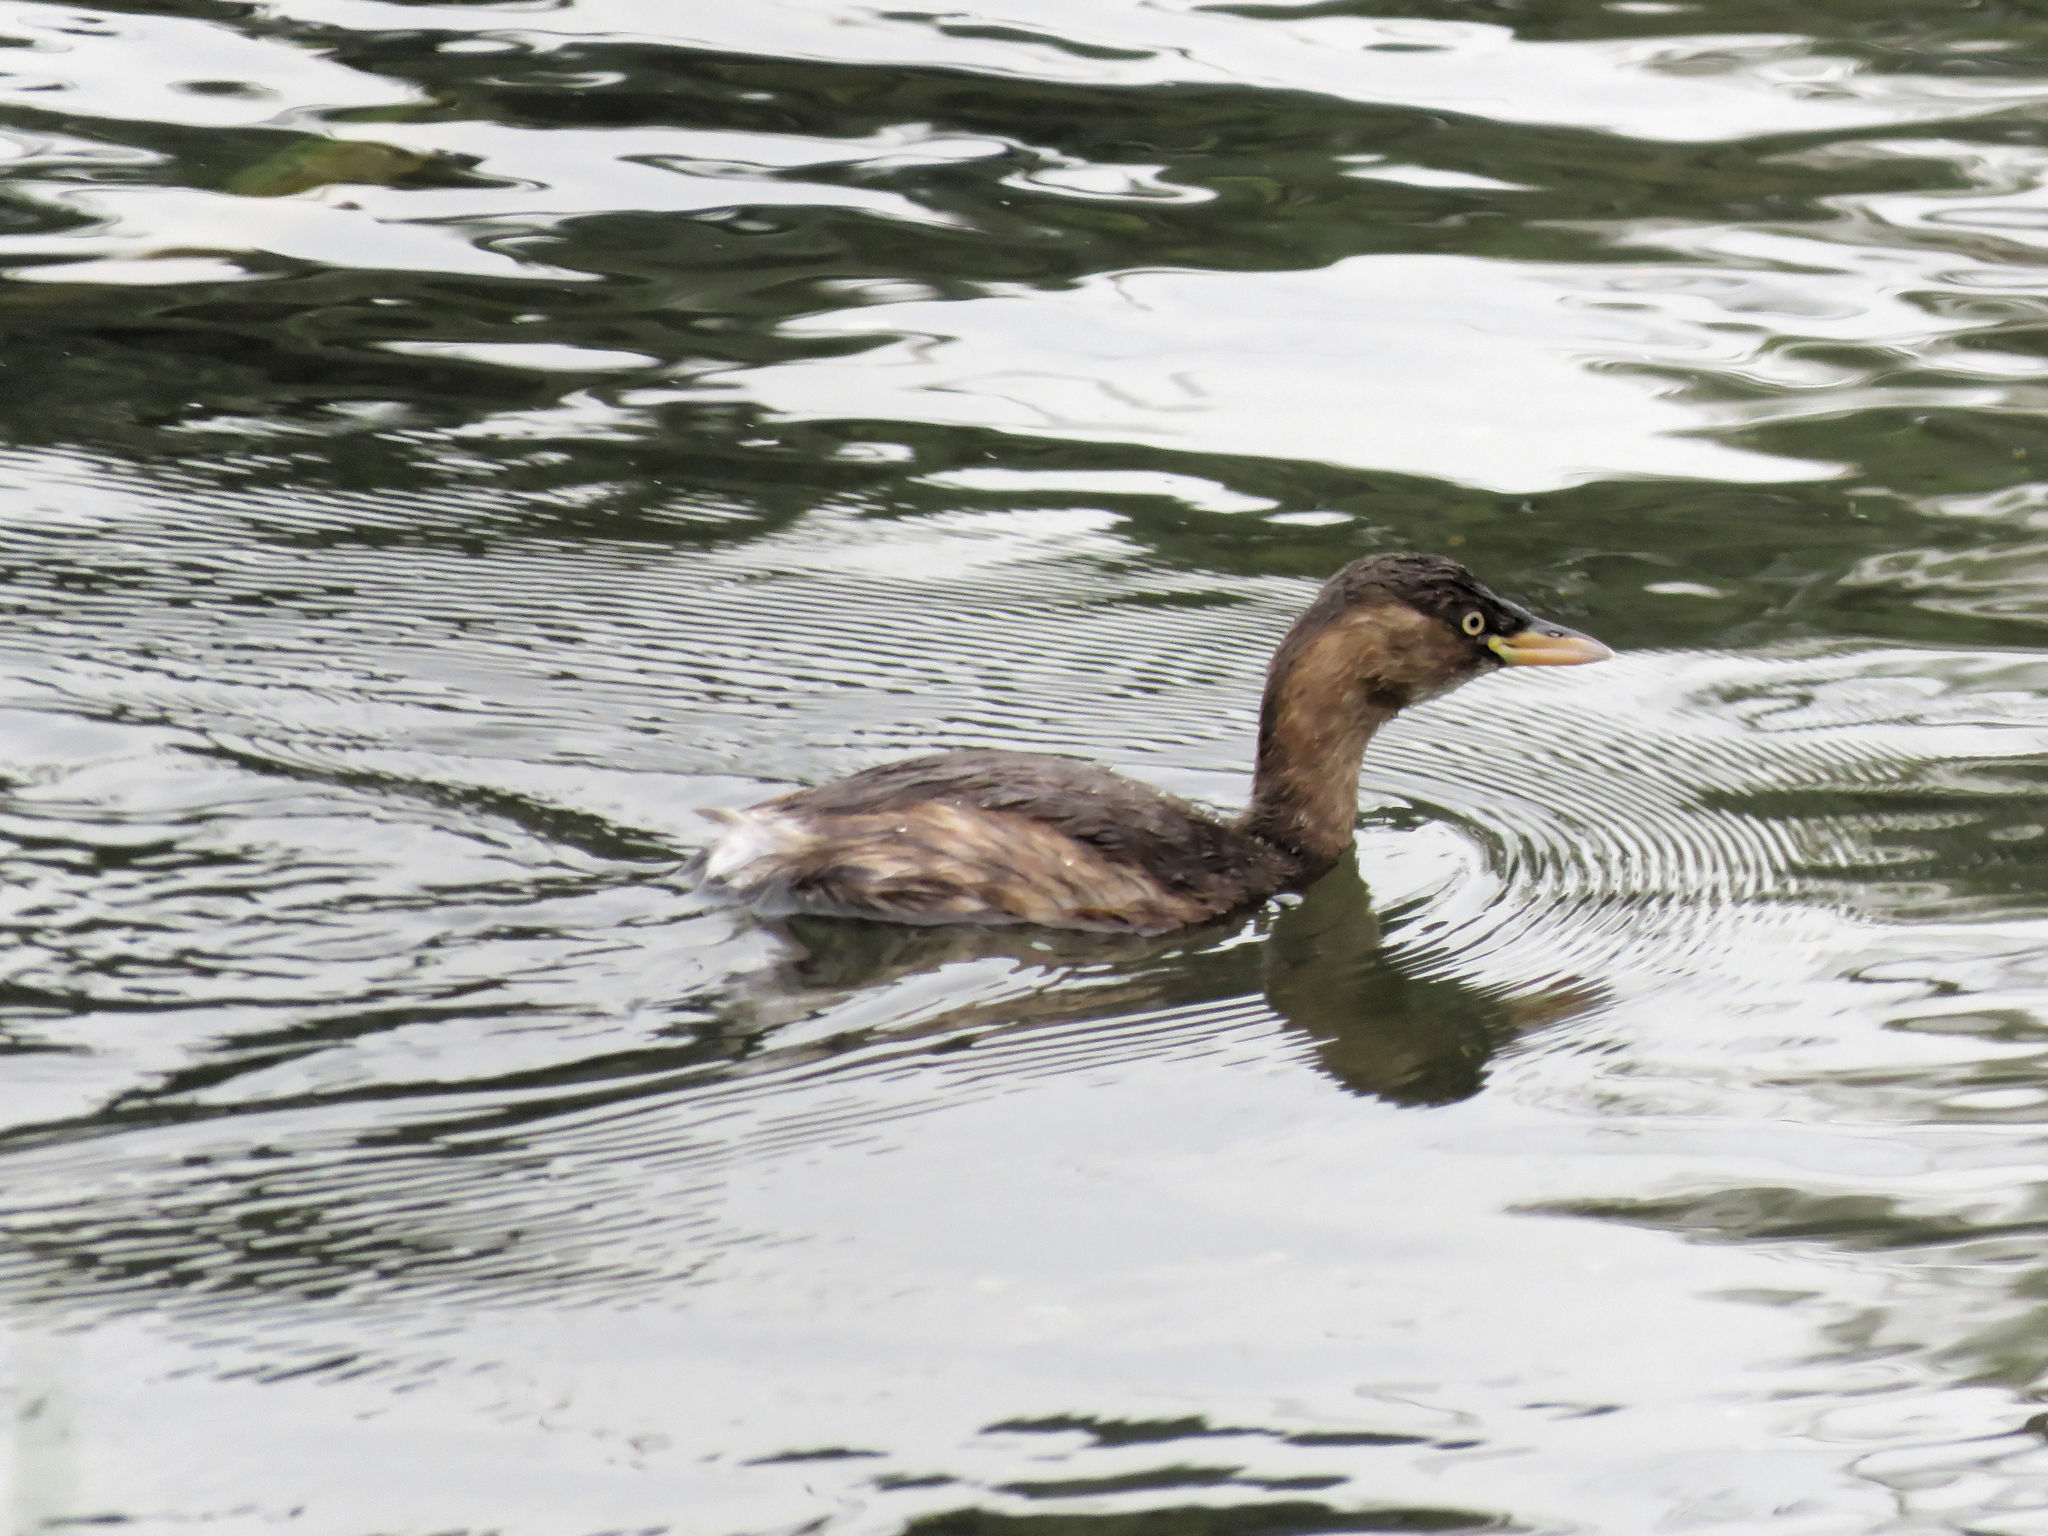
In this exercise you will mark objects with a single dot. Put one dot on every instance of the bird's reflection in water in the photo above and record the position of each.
(1380, 1025)
(858, 997)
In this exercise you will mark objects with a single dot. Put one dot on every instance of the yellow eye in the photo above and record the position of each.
(1475, 622)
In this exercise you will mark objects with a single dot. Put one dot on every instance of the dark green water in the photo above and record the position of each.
(445, 449)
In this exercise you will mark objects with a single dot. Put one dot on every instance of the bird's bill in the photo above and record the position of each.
(1552, 645)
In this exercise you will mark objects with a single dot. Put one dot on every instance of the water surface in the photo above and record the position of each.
(448, 449)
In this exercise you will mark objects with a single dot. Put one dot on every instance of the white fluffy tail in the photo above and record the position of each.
(753, 855)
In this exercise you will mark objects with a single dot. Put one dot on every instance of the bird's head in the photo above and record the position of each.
(1408, 627)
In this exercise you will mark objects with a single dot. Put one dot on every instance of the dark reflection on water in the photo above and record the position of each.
(1281, 1518)
(1379, 1026)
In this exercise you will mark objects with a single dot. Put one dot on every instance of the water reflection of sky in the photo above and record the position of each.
(1370, 363)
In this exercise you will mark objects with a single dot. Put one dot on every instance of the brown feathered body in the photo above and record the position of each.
(1027, 837)
(1020, 837)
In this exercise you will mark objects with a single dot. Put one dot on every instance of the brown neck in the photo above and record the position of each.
(1322, 704)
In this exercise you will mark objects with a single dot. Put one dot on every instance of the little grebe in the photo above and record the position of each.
(1029, 837)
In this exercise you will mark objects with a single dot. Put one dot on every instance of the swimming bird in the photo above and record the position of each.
(1031, 837)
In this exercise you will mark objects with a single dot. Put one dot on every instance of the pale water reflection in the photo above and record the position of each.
(1344, 366)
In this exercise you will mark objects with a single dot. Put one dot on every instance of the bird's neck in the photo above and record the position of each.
(1321, 707)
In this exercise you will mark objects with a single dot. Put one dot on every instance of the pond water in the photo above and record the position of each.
(446, 449)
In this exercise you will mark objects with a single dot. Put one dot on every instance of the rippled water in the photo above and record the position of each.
(446, 449)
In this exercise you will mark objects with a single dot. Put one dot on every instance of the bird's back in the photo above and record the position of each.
(990, 836)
